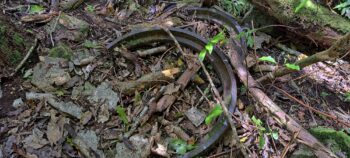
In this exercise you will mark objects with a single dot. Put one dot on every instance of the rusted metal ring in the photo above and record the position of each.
(193, 41)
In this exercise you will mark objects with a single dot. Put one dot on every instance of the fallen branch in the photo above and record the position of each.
(148, 80)
(31, 50)
(152, 51)
(227, 114)
(276, 112)
(338, 49)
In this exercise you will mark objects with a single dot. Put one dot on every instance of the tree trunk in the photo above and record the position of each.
(314, 22)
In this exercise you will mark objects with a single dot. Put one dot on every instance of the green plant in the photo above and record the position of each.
(344, 8)
(268, 59)
(263, 131)
(90, 8)
(347, 97)
(300, 6)
(235, 7)
(180, 146)
(292, 66)
(36, 9)
(210, 45)
(15, 57)
(122, 115)
(214, 113)
(248, 35)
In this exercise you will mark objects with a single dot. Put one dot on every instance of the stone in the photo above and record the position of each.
(139, 142)
(195, 115)
(104, 94)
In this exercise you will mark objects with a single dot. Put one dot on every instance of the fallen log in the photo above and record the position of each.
(277, 113)
(314, 22)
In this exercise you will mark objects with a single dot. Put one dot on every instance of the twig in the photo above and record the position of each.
(226, 113)
(30, 51)
(54, 28)
(204, 97)
(152, 51)
(285, 150)
(312, 108)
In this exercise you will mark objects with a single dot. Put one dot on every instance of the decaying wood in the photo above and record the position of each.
(169, 98)
(152, 51)
(146, 81)
(39, 18)
(276, 112)
(340, 48)
(315, 22)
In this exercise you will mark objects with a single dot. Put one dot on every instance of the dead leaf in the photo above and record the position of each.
(54, 133)
(103, 114)
(35, 140)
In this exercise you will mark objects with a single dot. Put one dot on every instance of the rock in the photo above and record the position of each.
(8, 146)
(36, 140)
(103, 114)
(50, 73)
(84, 90)
(68, 27)
(18, 103)
(104, 94)
(86, 141)
(90, 138)
(195, 115)
(83, 57)
(140, 143)
(61, 51)
(66, 107)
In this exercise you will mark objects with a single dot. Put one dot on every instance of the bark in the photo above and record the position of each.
(314, 22)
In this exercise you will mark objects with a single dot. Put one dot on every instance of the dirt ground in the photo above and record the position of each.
(66, 100)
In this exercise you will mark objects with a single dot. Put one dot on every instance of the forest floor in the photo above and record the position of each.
(73, 97)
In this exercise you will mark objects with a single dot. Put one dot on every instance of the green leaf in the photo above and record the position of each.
(250, 41)
(342, 5)
(300, 6)
(275, 135)
(217, 38)
(122, 115)
(257, 122)
(209, 47)
(179, 146)
(261, 141)
(324, 94)
(292, 66)
(268, 59)
(35, 9)
(214, 113)
(202, 54)
(90, 8)
(347, 97)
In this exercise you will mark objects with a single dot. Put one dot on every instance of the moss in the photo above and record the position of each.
(15, 57)
(61, 51)
(309, 16)
(18, 39)
(338, 140)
